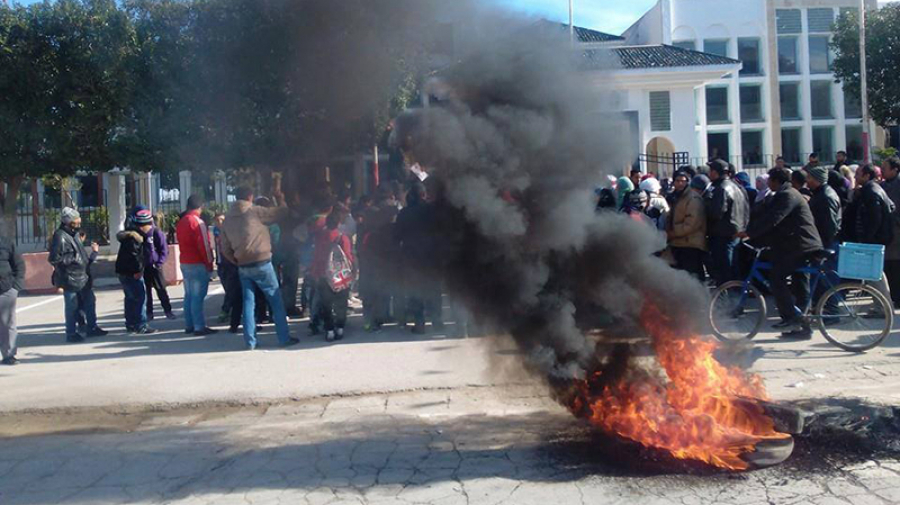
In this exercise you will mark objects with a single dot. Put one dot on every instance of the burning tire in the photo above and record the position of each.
(769, 453)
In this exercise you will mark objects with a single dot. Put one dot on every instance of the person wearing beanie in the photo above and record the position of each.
(130, 267)
(727, 214)
(657, 208)
(70, 260)
(156, 252)
(196, 266)
(743, 178)
(686, 227)
(825, 206)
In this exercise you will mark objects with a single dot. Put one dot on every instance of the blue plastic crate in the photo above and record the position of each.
(863, 262)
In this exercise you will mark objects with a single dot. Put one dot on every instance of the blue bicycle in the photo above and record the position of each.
(853, 316)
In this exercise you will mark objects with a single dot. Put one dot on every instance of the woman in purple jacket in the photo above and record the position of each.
(156, 251)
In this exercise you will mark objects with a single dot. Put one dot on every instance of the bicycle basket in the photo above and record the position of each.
(863, 262)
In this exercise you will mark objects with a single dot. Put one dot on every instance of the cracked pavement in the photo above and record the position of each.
(388, 418)
(407, 448)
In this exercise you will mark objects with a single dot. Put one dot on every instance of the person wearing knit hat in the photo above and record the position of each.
(71, 261)
(817, 173)
(700, 182)
(156, 252)
(130, 267)
(70, 215)
(825, 205)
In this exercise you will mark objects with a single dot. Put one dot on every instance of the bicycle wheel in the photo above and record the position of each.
(855, 317)
(737, 311)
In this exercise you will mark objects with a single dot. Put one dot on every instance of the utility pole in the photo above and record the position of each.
(572, 22)
(864, 91)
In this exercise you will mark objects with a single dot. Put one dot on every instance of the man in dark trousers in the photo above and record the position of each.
(12, 281)
(868, 219)
(417, 235)
(131, 267)
(891, 171)
(70, 261)
(156, 252)
(788, 225)
(727, 214)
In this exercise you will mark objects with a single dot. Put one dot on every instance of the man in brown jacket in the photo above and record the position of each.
(686, 227)
(247, 244)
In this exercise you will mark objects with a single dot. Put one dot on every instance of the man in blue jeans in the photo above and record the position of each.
(196, 265)
(246, 243)
(130, 269)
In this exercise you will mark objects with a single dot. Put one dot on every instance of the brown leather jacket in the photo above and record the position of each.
(245, 232)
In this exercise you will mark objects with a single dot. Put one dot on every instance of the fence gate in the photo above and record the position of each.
(664, 165)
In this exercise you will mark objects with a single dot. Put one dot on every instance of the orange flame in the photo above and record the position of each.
(696, 415)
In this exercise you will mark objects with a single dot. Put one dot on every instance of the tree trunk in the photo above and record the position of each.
(8, 199)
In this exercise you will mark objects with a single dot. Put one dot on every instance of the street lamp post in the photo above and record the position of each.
(864, 94)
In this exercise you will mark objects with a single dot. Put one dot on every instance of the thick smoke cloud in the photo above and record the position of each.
(517, 143)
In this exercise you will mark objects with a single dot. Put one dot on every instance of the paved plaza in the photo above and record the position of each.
(383, 418)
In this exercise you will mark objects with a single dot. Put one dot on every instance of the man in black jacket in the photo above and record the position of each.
(891, 185)
(727, 214)
(416, 233)
(130, 269)
(789, 226)
(12, 281)
(70, 262)
(825, 206)
(871, 209)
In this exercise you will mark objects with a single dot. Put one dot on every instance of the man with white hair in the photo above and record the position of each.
(70, 262)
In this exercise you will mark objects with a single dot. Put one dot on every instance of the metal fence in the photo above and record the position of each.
(34, 231)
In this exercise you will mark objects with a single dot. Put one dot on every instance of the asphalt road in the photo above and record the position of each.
(378, 418)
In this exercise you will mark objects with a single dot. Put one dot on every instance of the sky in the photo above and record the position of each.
(611, 16)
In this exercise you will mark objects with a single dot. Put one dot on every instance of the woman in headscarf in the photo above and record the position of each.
(762, 188)
(624, 186)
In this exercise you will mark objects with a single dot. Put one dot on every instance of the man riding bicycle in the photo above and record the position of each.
(787, 225)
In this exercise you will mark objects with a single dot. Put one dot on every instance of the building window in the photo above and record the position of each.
(820, 20)
(752, 148)
(718, 146)
(854, 142)
(820, 92)
(686, 44)
(852, 107)
(660, 111)
(790, 100)
(719, 47)
(717, 105)
(823, 142)
(751, 103)
(787, 55)
(748, 53)
(819, 54)
(790, 145)
(788, 21)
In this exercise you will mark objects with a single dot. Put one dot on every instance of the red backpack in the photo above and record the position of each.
(339, 271)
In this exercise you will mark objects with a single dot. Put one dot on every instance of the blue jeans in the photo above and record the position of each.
(79, 301)
(722, 260)
(262, 276)
(196, 285)
(135, 302)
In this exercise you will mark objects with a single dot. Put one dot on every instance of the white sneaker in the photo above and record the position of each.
(330, 336)
(340, 333)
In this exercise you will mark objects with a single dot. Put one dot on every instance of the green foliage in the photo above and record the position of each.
(882, 60)
(884, 153)
(204, 85)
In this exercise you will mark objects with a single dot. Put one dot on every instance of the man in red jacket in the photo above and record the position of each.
(196, 265)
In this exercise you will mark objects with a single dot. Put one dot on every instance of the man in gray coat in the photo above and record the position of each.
(12, 281)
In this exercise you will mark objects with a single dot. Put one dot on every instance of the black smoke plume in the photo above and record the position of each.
(516, 143)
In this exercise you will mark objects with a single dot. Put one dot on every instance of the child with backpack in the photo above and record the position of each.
(332, 269)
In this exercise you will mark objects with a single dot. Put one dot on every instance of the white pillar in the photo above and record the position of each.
(154, 190)
(220, 183)
(184, 187)
(143, 185)
(115, 195)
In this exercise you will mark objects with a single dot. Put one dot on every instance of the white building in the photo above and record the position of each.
(782, 101)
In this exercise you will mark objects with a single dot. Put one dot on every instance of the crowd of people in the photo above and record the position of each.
(795, 214)
(281, 258)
